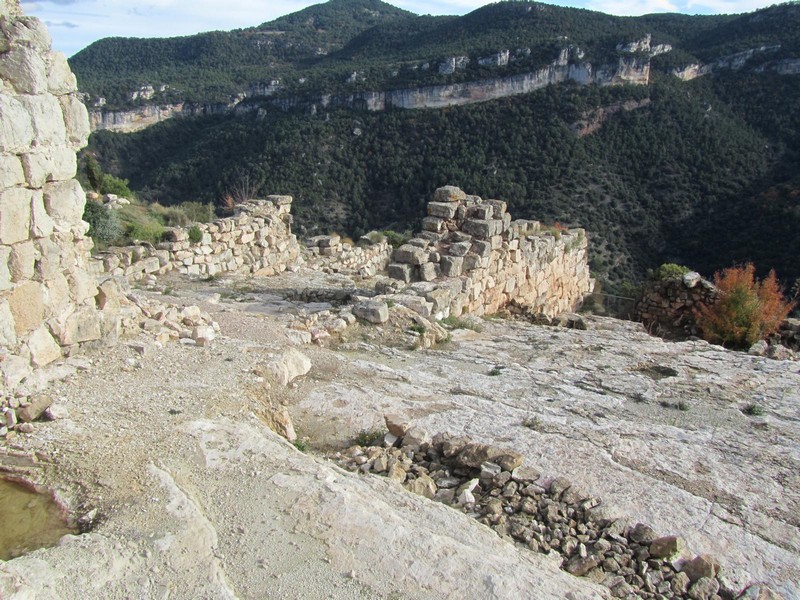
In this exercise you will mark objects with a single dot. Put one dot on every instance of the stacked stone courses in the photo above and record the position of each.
(258, 239)
(47, 297)
(472, 258)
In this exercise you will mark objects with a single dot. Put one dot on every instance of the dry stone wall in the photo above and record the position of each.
(47, 297)
(258, 239)
(472, 258)
(328, 253)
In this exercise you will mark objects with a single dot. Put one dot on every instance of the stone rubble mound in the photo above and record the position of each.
(547, 515)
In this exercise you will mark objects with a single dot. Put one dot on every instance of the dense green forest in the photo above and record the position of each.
(316, 50)
(706, 174)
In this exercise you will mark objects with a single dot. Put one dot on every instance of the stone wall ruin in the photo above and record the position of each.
(258, 239)
(472, 258)
(47, 297)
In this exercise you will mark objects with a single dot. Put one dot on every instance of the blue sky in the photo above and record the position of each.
(74, 24)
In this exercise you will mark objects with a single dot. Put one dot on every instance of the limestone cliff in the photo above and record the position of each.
(568, 66)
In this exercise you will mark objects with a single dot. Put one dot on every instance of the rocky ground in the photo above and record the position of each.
(164, 449)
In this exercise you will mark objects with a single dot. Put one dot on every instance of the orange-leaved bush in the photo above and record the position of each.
(748, 310)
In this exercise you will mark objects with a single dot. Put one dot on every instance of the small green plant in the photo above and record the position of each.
(390, 303)
(301, 444)
(396, 239)
(753, 410)
(195, 235)
(748, 310)
(498, 370)
(534, 423)
(104, 225)
(681, 405)
(370, 437)
(146, 231)
(669, 271)
(417, 328)
(459, 323)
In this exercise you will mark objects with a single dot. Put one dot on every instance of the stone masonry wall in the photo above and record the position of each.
(472, 258)
(669, 305)
(258, 239)
(47, 297)
(365, 259)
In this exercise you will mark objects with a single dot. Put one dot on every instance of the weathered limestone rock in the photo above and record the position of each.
(701, 566)
(372, 311)
(43, 347)
(35, 409)
(27, 307)
(288, 366)
(279, 420)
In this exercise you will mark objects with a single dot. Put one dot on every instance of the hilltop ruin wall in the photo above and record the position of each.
(47, 297)
(472, 258)
(258, 239)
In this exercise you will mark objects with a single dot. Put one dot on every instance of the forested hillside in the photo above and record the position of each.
(703, 172)
(318, 49)
(688, 178)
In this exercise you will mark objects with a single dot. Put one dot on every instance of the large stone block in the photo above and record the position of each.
(15, 215)
(65, 201)
(16, 128)
(402, 272)
(434, 224)
(20, 263)
(26, 303)
(429, 271)
(60, 80)
(76, 119)
(460, 249)
(481, 229)
(41, 224)
(452, 266)
(372, 311)
(47, 120)
(448, 193)
(11, 172)
(5, 274)
(81, 326)
(27, 31)
(443, 210)
(25, 69)
(49, 164)
(43, 347)
(8, 336)
(56, 296)
(410, 254)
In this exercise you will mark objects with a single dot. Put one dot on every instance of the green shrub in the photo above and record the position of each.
(104, 225)
(669, 271)
(753, 410)
(459, 323)
(747, 310)
(147, 231)
(369, 437)
(114, 185)
(195, 235)
(396, 239)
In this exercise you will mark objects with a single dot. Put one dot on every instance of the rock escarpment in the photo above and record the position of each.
(630, 68)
